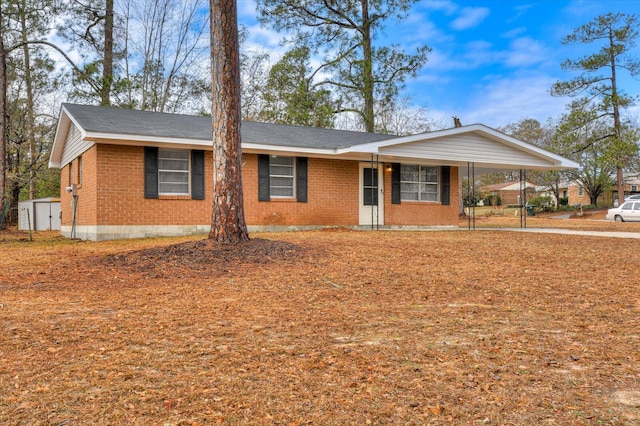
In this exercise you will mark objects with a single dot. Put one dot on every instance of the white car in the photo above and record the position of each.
(629, 211)
(635, 197)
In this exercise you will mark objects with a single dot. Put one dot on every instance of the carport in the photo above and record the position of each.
(471, 195)
(476, 150)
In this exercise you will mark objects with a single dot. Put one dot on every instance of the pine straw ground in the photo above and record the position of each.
(326, 328)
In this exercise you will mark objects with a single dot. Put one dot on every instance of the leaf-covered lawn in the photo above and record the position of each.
(328, 327)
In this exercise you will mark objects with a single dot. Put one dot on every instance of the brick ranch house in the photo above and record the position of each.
(510, 192)
(129, 174)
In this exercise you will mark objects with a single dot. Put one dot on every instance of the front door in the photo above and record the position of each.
(371, 195)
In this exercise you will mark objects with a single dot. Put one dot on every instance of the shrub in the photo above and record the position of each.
(493, 200)
(544, 203)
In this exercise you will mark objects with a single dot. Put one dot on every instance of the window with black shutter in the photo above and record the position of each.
(282, 177)
(173, 172)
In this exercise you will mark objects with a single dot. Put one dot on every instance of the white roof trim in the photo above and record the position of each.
(200, 142)
(62, 128)
(142, 138)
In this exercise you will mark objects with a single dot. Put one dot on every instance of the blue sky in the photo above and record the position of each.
(492, 61)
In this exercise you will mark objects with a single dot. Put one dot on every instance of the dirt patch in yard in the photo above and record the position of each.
(334, 327)
(205, 256)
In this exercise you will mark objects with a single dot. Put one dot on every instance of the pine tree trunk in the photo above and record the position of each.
(227, 219)
(3, 122)
(107, 67)
(31, 133)
(369, 114)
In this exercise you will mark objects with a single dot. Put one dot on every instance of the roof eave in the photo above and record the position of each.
(120, 139)
(62, 128)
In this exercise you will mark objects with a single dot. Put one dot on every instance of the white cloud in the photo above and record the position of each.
(520, 10)
(497, 101)
(417, 31)
(508, 100)
(525, 51)
(470, 17)
(446, 6)
(439, 61)
(263, 37)
(514, 32)
(246, 10)
(479, 52)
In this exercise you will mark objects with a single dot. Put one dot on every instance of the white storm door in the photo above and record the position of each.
(371, 196)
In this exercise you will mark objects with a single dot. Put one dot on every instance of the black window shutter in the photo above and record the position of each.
(301, 179)
(445, 172)
(150, 172)
(197, 175)
(263, 178)
(395, 183)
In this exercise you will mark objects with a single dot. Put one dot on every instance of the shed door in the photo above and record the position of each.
(43, 217)
(371, 195)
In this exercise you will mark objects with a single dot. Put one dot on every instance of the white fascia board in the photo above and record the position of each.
(287, 149)
(124, 139)
(62, 130)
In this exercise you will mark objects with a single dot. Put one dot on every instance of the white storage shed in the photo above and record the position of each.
(43, 214)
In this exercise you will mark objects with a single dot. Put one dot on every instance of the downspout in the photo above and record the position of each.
(471, 195)
(372, 191)
(375, 193)
(74, 210)
(379, 199)
(468, 196)
(523, 198)
(473, 192)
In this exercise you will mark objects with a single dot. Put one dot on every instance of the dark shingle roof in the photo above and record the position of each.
(163, 125)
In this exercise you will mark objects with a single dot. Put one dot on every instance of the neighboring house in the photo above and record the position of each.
(510, 193)
(571, 190)
(128, 173)
(631, 187)
(575, 194)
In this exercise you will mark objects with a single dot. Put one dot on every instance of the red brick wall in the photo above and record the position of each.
(513, 197)
(112, 193)
(121, 195)
(574, 197)
(87, 190)
(332, 196)
(421, 213)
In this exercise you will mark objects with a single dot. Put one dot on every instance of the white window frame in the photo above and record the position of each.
(580, 191)
(186, 172)
(273, 176)
(420, 183)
